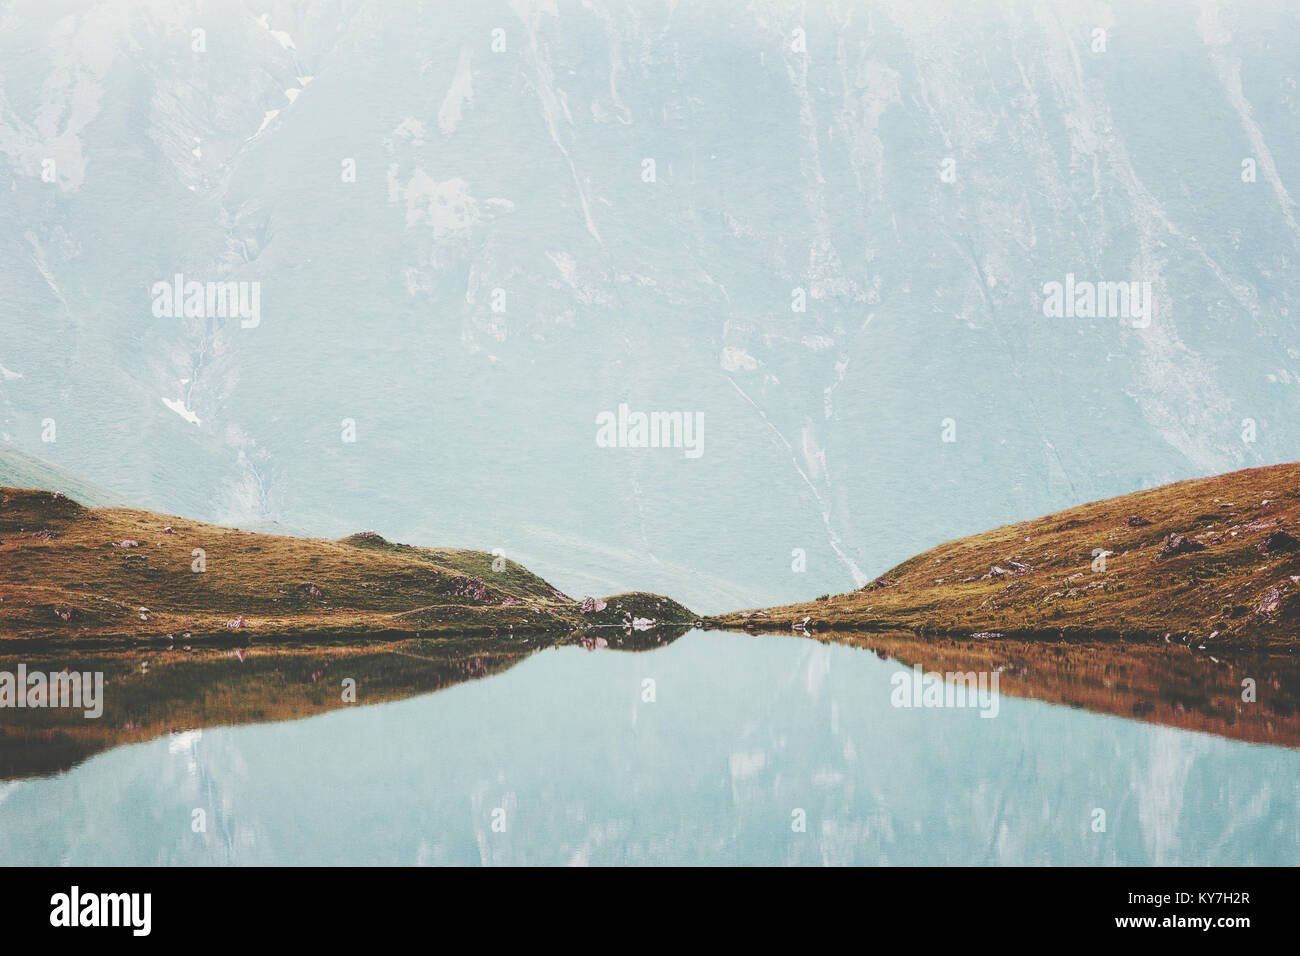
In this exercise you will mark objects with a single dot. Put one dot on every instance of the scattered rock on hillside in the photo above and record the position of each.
(474, 588)
(1137, 521)
(591, 605)
(1179, 544)
(1271, 603)
(1279, 542)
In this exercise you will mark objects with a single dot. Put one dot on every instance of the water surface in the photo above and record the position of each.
(745, 737)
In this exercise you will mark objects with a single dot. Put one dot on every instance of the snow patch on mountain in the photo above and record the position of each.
(179, 408)
(737, 360)
(446, 207)
(266, 121)
(458, 95)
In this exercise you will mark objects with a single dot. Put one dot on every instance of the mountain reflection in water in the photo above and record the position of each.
(707, 749)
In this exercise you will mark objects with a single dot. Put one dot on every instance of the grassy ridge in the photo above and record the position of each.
(1214, 562)
(69, 572)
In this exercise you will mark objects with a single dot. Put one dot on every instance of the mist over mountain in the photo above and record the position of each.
(823, 236)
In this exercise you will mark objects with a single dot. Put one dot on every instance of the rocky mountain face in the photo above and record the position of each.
(903, 272)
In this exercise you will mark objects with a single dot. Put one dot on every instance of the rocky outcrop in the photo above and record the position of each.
(1179, 544)
(1271, 604)
(1279, 542)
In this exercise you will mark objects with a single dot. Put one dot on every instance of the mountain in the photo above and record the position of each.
(20, 470)
(102, 576)
(832, 233)
(1214, 563)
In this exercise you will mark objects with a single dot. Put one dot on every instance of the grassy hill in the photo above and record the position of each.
(1214, 562)
(68, 572)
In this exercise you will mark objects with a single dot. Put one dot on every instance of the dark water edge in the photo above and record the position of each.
(149, 692)
(1156, 682)
(153, 692)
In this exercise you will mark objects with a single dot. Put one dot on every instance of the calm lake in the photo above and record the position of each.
(712, 749)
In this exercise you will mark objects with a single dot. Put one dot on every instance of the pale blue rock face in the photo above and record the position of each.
(824, 237)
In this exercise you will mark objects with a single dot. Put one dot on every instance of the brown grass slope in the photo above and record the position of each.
(1231, 580)
(69, 572)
